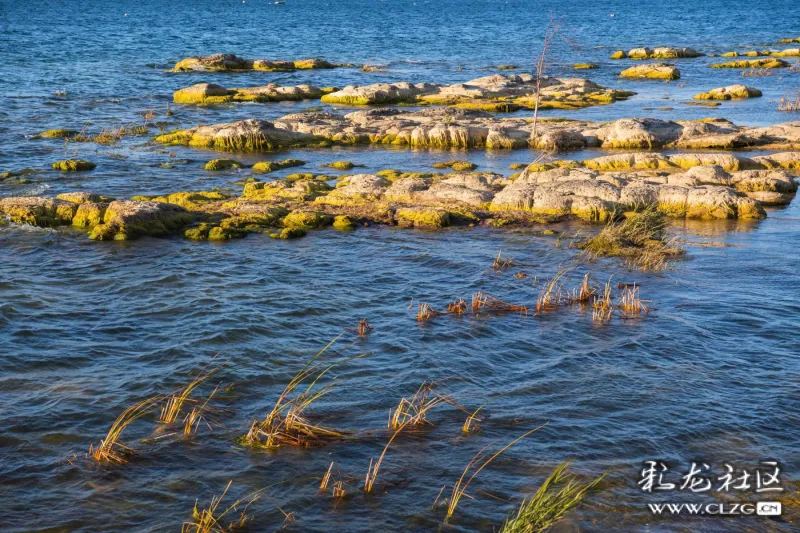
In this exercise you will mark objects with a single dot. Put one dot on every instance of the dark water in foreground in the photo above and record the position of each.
(87, 328)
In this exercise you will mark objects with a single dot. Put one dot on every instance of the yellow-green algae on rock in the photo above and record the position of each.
(307, 219)
(458, 166)
(423, 217)
(289, 233)
(585, 66)
(657, 71)
(752, 63)
(343, 223)
(127, 219)
(74, 165)
(340, 165)
(233, 63)
(271, 166)
(728, 93)
(222, 164)
(210, 94)
(59, 133)
(245, 135)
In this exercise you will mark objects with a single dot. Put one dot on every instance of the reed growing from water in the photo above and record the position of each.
(172, 407)
(477, 464)
(559, 493)
(110, 448)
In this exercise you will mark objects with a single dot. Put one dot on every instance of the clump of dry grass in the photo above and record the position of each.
(586, 292)
(640, 238)
(602, 307)
(110, 448)
(630, 304)
(486, 302)
(209, 520)
(191, 422)
(552, 294)
(502, 263)
(480, 461)
(559, 493)
(457, 307)
(338, 491)
(413, 411)
(286, 423)
(789, 102)
(426, 312)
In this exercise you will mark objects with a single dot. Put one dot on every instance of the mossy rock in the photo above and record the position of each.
(458, 166)
(289, 233)
(423, 218)
(58, 133)
(222, 164)
(271, 166)
(507, 67)
(306, 220)
(391, 174)
(299, 176)
(517, 166)
(89, 214)
(341, 165)
(199, 232)
(619, 54)
(74, 165)
(225, 234)
(585, 66)
(752, 63)
(344, 223)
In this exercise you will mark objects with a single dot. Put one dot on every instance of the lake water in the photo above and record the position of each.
(88, 328)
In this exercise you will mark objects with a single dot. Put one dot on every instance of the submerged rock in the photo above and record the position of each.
(729, 92)
(658, 71)
(74, 165)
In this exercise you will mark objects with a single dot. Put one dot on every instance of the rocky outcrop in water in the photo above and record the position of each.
(730, 92)
(660, 52)
(655, 71)
(233, 63)
(490, 93)
(210, 93)
(245, 135)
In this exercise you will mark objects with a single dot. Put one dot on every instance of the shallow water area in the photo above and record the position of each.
(88, 328)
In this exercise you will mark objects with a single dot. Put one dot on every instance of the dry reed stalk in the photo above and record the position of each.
(472, 418)
(786, 102)
(207, 521)
(172, 407)
(326, 478)
(457, 307)
(483, 301)
(414, 410)
(586, 291)
(460, 488)
(110, 449)
(602, 306)
(501, 263)
(521, 275)
(363, 327)
(285, 423)
(192, 420)
(630, 303)
(338, 490)
(552, 294)
(426, 312)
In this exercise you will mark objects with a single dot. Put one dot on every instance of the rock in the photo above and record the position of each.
(661, 52)
(786, 160)
(343, 223)
(82, 197)
(458, 166)
(289, 233)
(585, 66)
(59, 133)
(659, 71)
(467, 189)
(302, 219)
(770, 187)
(232, 63)
(213, 63)
(74, 165)
(752, 63)
(619, 54)
(340, 165)
(728, 93)
(639, 133)
(632, 161)
(404, 189)
(221, 164)
(725, 161)
(422, 218)
(202, 93)
(271, 166)
(128, 219)
(358, 188)
(245, 135)
(709, 175)
(38, 211)
(379, 93)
